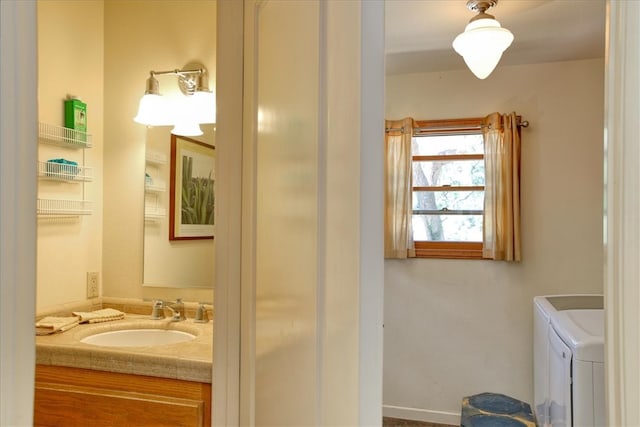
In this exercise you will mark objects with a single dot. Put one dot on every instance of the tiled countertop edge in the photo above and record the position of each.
(127, 305)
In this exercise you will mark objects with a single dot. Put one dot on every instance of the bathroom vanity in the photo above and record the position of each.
(149, 385)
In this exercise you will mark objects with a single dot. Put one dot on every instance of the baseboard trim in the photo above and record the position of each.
(439, 417)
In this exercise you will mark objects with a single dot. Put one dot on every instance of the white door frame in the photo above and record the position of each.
(227, 349)
(18, 188)
(622, 218)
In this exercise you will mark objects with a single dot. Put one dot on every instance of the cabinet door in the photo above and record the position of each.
(82, 397)
(559, 381)
(69, 405)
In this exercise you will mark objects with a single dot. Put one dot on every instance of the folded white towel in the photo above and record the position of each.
(51, 324)
(98, 316)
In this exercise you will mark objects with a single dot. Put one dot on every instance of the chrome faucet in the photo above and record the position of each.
(177, 310)
(158, 310)
(201, 314)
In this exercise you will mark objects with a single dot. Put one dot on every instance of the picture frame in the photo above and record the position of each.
(192, 189)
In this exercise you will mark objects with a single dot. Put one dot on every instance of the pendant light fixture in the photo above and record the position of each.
(483, 41)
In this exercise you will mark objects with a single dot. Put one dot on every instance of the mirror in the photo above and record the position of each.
(178, 255)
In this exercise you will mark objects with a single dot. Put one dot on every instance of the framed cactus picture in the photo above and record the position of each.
(192, 195)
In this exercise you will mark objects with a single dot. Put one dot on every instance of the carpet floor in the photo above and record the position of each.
(396, 422)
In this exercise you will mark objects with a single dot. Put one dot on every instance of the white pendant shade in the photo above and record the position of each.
(482, 44)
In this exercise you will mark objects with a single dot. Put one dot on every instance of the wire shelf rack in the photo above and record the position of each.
(64, 172)
(152, 213)
(63, 207)
(155, 157)
(62, 136)
(155, 188)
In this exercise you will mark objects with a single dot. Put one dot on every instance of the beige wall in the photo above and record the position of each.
(456, 328)
(103, 52)
(70, 61)
(141, 36)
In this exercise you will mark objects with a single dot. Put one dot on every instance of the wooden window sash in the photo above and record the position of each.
(450, 188)
(449, 126)
(446, 211)
(446, 157)
(448, 249)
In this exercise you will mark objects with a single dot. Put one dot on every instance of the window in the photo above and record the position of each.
(448, 188)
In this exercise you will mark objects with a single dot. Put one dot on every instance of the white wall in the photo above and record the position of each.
(456, 328)
(287, 215)
(70, 61)
(312, 262)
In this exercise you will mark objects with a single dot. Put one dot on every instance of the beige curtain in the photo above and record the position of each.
(398, 237)
(501, 227)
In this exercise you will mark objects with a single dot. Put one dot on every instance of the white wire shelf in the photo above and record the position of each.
(55, 207)
(152, 213)
(155, 188)
(64, 172)
(58, 135)
(155, 157)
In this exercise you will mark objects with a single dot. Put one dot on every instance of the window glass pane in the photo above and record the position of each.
(456, 228)
(452, 216)
(453, 172)
(447, 144)
(451, 200)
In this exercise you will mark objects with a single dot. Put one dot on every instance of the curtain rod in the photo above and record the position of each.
(519, 123)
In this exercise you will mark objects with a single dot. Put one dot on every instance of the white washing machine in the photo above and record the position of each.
(569, 360)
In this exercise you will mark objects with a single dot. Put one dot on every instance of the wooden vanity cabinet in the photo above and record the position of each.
(82, 397)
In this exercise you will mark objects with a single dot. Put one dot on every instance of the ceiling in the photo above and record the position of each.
(419, 33)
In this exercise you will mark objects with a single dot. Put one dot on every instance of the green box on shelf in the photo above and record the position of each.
(75, 116)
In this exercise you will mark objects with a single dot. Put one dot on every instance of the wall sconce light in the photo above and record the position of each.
(186, 113)
(483, 41)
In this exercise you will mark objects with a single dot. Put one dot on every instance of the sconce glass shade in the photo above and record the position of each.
(187, 128)
(185, 118)
(482, 44)
(185, 112)
(204, 106)
(153, 111)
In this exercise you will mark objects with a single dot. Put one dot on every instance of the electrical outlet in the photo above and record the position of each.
(92, 284)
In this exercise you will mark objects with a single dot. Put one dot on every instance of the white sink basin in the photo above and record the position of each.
(138, 338)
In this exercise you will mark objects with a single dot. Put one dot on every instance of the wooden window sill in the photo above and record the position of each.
(449, 250)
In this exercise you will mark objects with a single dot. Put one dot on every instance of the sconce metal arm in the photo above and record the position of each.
(193, 77)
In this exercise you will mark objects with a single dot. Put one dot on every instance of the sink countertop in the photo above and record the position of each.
(190, 361)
